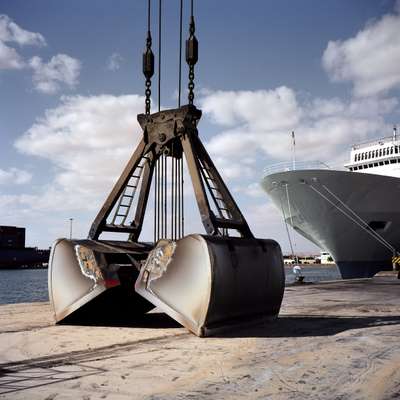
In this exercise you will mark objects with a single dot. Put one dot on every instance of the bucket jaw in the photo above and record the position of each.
(94, 281)
(211, 284)
(208, 283)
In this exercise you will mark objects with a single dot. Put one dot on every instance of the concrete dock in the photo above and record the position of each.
(332, 341)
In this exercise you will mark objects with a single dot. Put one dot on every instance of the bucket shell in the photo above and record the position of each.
(91, 280)
(210, 284)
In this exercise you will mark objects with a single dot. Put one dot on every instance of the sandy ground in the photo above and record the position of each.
(332, 341)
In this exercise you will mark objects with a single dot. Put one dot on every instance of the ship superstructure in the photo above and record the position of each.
(381, 157)
(353, 214)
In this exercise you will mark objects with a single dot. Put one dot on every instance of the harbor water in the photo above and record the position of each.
(316, 273)
(23, 285)
(30, 285)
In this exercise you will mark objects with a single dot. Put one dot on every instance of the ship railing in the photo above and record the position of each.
(381, 141)
(291, 166)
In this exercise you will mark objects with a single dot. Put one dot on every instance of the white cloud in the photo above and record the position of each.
(324, 127)
(14, 176)
(370, 59)
(88, 140)
(10, 32)
(61, 69)
(9, 58)
(259, 109)
(114, 62)
(266, 221)
(253, 189)
(47, 77)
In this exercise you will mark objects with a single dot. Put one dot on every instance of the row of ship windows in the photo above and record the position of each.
(377, 164)
(376, 153)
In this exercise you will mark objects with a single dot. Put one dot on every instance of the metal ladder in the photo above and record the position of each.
(216, 195)
(123, 208)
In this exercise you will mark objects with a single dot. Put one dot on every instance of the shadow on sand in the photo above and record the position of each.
(307, 325)
(284, 326)
(67, 366)
(43, 371)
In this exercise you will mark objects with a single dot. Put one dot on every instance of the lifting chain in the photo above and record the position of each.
(148, 64)
(192, 50)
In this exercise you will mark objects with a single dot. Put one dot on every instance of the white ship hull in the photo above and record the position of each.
(314, 203)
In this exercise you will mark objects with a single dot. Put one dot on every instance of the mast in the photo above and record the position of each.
(293, 150)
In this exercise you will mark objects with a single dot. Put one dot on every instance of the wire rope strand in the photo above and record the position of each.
(162, 196)
(290, 215)
(175, 161)
(148, 14)
(165, 197)
(159, 53)
(158, 198)
(391, 248)
(180, 53)
(155, 205)
(172, 193)
(287, 229)
(182, 198)
(178, 198)
(355, 215)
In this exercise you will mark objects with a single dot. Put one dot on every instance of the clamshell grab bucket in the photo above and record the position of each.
(209, 284)
(92, 281)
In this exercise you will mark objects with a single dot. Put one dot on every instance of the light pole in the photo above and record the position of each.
(70, 227)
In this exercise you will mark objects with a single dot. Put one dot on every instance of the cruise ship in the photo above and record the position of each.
(354, 214)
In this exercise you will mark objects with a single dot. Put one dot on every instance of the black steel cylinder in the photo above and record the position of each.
(148, 63)
(192, 50)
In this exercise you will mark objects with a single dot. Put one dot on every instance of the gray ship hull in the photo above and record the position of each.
(329, 207)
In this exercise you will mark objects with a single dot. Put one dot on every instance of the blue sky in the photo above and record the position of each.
(71, 85)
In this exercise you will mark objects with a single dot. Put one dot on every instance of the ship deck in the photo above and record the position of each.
(332, 340)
